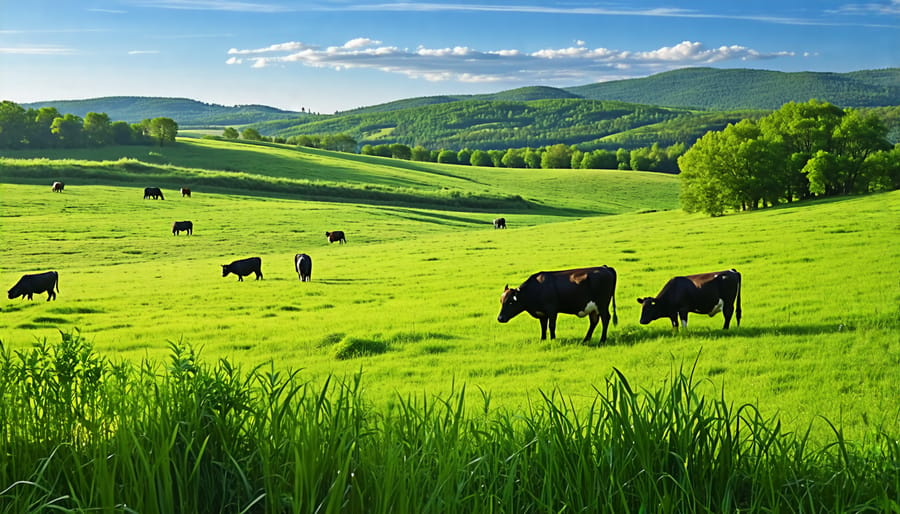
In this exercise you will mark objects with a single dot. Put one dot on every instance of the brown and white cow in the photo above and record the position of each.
(704, 293)
(337, 235)
(500, 223)
(582, 292)
(57, 187)
(185, 192)
(303, 264)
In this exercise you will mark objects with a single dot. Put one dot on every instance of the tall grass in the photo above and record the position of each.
(78, 432)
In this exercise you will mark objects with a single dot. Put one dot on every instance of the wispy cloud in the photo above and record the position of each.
(143, 52)
(37, 50)
(216, 5)
(107, 11)
(464, 64)
(877, 8)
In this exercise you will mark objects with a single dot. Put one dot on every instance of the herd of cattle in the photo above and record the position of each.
(544, 295)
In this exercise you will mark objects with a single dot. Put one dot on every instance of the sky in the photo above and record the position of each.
(336, 55)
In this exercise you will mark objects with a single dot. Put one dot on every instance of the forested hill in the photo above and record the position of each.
(184, 111)
(716, 89)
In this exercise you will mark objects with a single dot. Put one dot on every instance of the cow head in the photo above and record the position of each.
(510, 305)
(650, 310)
(226, 269)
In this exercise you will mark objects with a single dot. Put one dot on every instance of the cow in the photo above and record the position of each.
(185, 192)
(337, 235)
(582, 292)
(244, 267)
(500, 223)
(36, 283)
(57, 187)
(153, 192)
(186, 226)
(705, 293)
(303, 264)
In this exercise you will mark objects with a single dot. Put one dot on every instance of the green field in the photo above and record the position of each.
(421, 281)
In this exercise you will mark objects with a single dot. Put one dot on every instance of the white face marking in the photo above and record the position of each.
(718, 308)
(684, 323)
(589, 308)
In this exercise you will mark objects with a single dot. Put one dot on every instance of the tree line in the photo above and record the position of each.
(800, 151)
(46, 127)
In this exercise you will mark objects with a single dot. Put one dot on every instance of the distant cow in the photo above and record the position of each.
(582, 292)
(337, 235)
(37, 283)
(58, 187)
(706, 293)
(303, 264)
(500, 223)
(179, 226)
(244, 267)
(185, 192)
(153, 192)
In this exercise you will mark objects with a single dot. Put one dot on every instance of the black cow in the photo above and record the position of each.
(582, 292)
(705, 293)
(37, 283)
(185, 192)
(244, 267)
(337, 235)
(303, 264)
(153, 192)
(500, 223)
(57, 187)
(178, 226)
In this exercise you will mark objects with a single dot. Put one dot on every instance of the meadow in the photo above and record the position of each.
(408, 307)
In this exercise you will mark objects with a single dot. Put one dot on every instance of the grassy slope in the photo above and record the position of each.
(814, 341)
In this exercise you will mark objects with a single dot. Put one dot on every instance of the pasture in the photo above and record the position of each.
(418, 288)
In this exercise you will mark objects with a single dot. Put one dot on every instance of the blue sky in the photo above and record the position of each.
(335, 55)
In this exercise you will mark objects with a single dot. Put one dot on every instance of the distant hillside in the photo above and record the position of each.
(184, 111)
(716, 89)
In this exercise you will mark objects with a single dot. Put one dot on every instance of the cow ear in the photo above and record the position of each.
(506, 287)
(641, 300)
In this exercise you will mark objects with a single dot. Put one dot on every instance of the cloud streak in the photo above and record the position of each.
(464, 64)
(36, 50)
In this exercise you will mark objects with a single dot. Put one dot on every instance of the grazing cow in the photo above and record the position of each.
(706, 293)
(582, 292)
(153, 192)
(244, 267)
(500, 223)
(178, 226)
(303, 263)
(337, 235)
(37, 283)
(58, 187)
(185, 192)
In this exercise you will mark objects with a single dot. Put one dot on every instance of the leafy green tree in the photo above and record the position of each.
(339, 142)
(884, 169)
(121, 133)
(532, 158)
(420, 153)
(464, 156)
(480, 158)
(447, 157)
(514, 158)
(40, 134)
(856, 138)
(599, 160)
(623, 159)
(577, 158)
(230, 133)
(69, 130)
(251, 134)
(13, 125)
(97, 129)
(556, 157)
(401, 151)
(496, 157)
(163, 129)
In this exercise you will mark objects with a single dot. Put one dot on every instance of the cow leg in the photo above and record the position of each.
(593, 318)
(552, 323)
(51, 295)
(605, 317)
(727, 311)
(543, 328)
(259, 275)
(683, 315)
(240, 278)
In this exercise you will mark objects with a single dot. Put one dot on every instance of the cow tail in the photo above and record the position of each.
(57, 282)
(615, 315)
(738, 310)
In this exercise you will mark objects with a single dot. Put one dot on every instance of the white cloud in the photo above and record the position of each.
(142, 52)
(465, 64)
(215, 5)
(36, 50)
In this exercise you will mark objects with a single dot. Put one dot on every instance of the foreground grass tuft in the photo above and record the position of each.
(79, 432)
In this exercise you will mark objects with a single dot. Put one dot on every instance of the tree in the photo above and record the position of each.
(69, 129)
(97, 129)
(447, 157)
(514, 158)
(251, 134)
(13, 124)
(420, 153)
(532, 158)
(230, 133)
(464, 156)
(40, 134)
(163, 129)
(623, 159)
(401, 151)
(496, 157)
(339, 142)
(121, 133)
(480, 158)
(556, 157)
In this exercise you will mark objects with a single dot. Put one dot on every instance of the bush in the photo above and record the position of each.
(352, 347)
